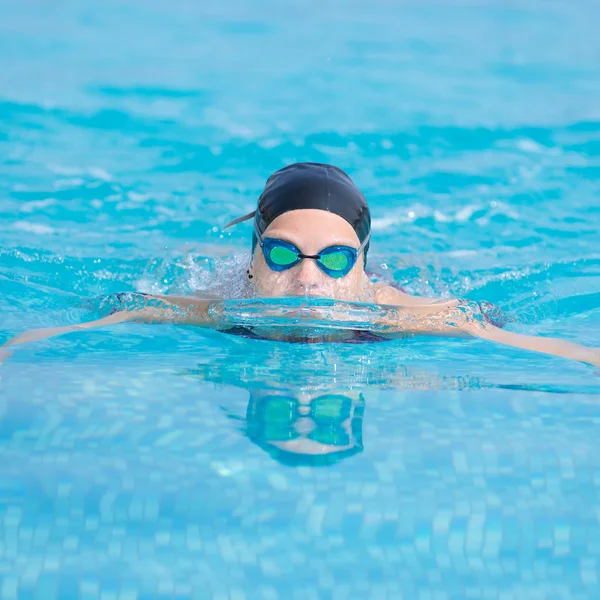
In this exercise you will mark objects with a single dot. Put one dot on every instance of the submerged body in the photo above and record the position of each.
(311, 238)
(400, 314)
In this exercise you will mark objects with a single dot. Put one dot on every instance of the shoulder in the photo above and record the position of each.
(386, 294)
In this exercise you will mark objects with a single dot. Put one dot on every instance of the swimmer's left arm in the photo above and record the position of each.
(386, 294)
(448, 318)
(544, 345)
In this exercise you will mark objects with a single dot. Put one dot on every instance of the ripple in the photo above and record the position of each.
(31, 227)
(147, 92)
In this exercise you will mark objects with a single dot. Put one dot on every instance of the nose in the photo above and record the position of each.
(304, 425)
(308, 274)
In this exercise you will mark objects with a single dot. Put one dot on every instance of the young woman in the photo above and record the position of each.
(312, 230)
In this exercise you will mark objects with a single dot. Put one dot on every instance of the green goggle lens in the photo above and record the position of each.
(279, 416)
(282, 256)
(280, 413)
(336, 261)
(332, 437)
(329, 408)
(280, 409)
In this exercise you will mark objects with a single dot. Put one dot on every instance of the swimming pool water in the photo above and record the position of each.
(138, 461)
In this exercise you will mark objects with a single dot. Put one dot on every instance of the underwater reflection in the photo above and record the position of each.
(305, 428)
(306, 404)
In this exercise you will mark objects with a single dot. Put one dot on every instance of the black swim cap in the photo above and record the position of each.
(311, 185)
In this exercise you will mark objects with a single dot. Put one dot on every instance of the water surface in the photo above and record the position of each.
(137, 461)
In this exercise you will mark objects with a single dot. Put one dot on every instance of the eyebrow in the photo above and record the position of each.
(334, 242)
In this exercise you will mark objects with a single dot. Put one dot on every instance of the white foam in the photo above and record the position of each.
(270, 143)
(464, 214)
(34, 205)
(33, 228)
(71, 182)
(440, 217)
(64, 170)
(137, 197)
(99, 173)
(528, 145)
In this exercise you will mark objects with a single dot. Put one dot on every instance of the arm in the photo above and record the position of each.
(455, 318)
(171, 309)
(386, 294)
(545, 345)
(40, 334)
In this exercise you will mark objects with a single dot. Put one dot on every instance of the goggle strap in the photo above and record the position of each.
(364, 243)
(240, 219)
(258, 234)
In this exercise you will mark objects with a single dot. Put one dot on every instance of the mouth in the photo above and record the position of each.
(318, 292)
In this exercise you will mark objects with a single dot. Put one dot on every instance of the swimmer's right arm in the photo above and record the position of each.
(172, 309)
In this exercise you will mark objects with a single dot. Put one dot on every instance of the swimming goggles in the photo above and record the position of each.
(278, 414)
(335, 261)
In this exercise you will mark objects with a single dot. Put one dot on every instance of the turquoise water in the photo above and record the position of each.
(137, 461)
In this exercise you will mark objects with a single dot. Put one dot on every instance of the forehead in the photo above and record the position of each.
(314, 224)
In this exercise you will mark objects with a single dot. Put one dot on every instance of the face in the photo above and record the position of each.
(306, 423)
(311, 231)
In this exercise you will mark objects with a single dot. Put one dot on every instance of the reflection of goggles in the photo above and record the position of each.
(277, 416)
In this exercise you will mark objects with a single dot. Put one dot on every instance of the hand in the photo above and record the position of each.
(595, 358)
(4, 354)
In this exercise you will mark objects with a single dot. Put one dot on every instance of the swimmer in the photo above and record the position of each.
(311, 237)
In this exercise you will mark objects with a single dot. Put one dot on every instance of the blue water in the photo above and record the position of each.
(133, 462)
